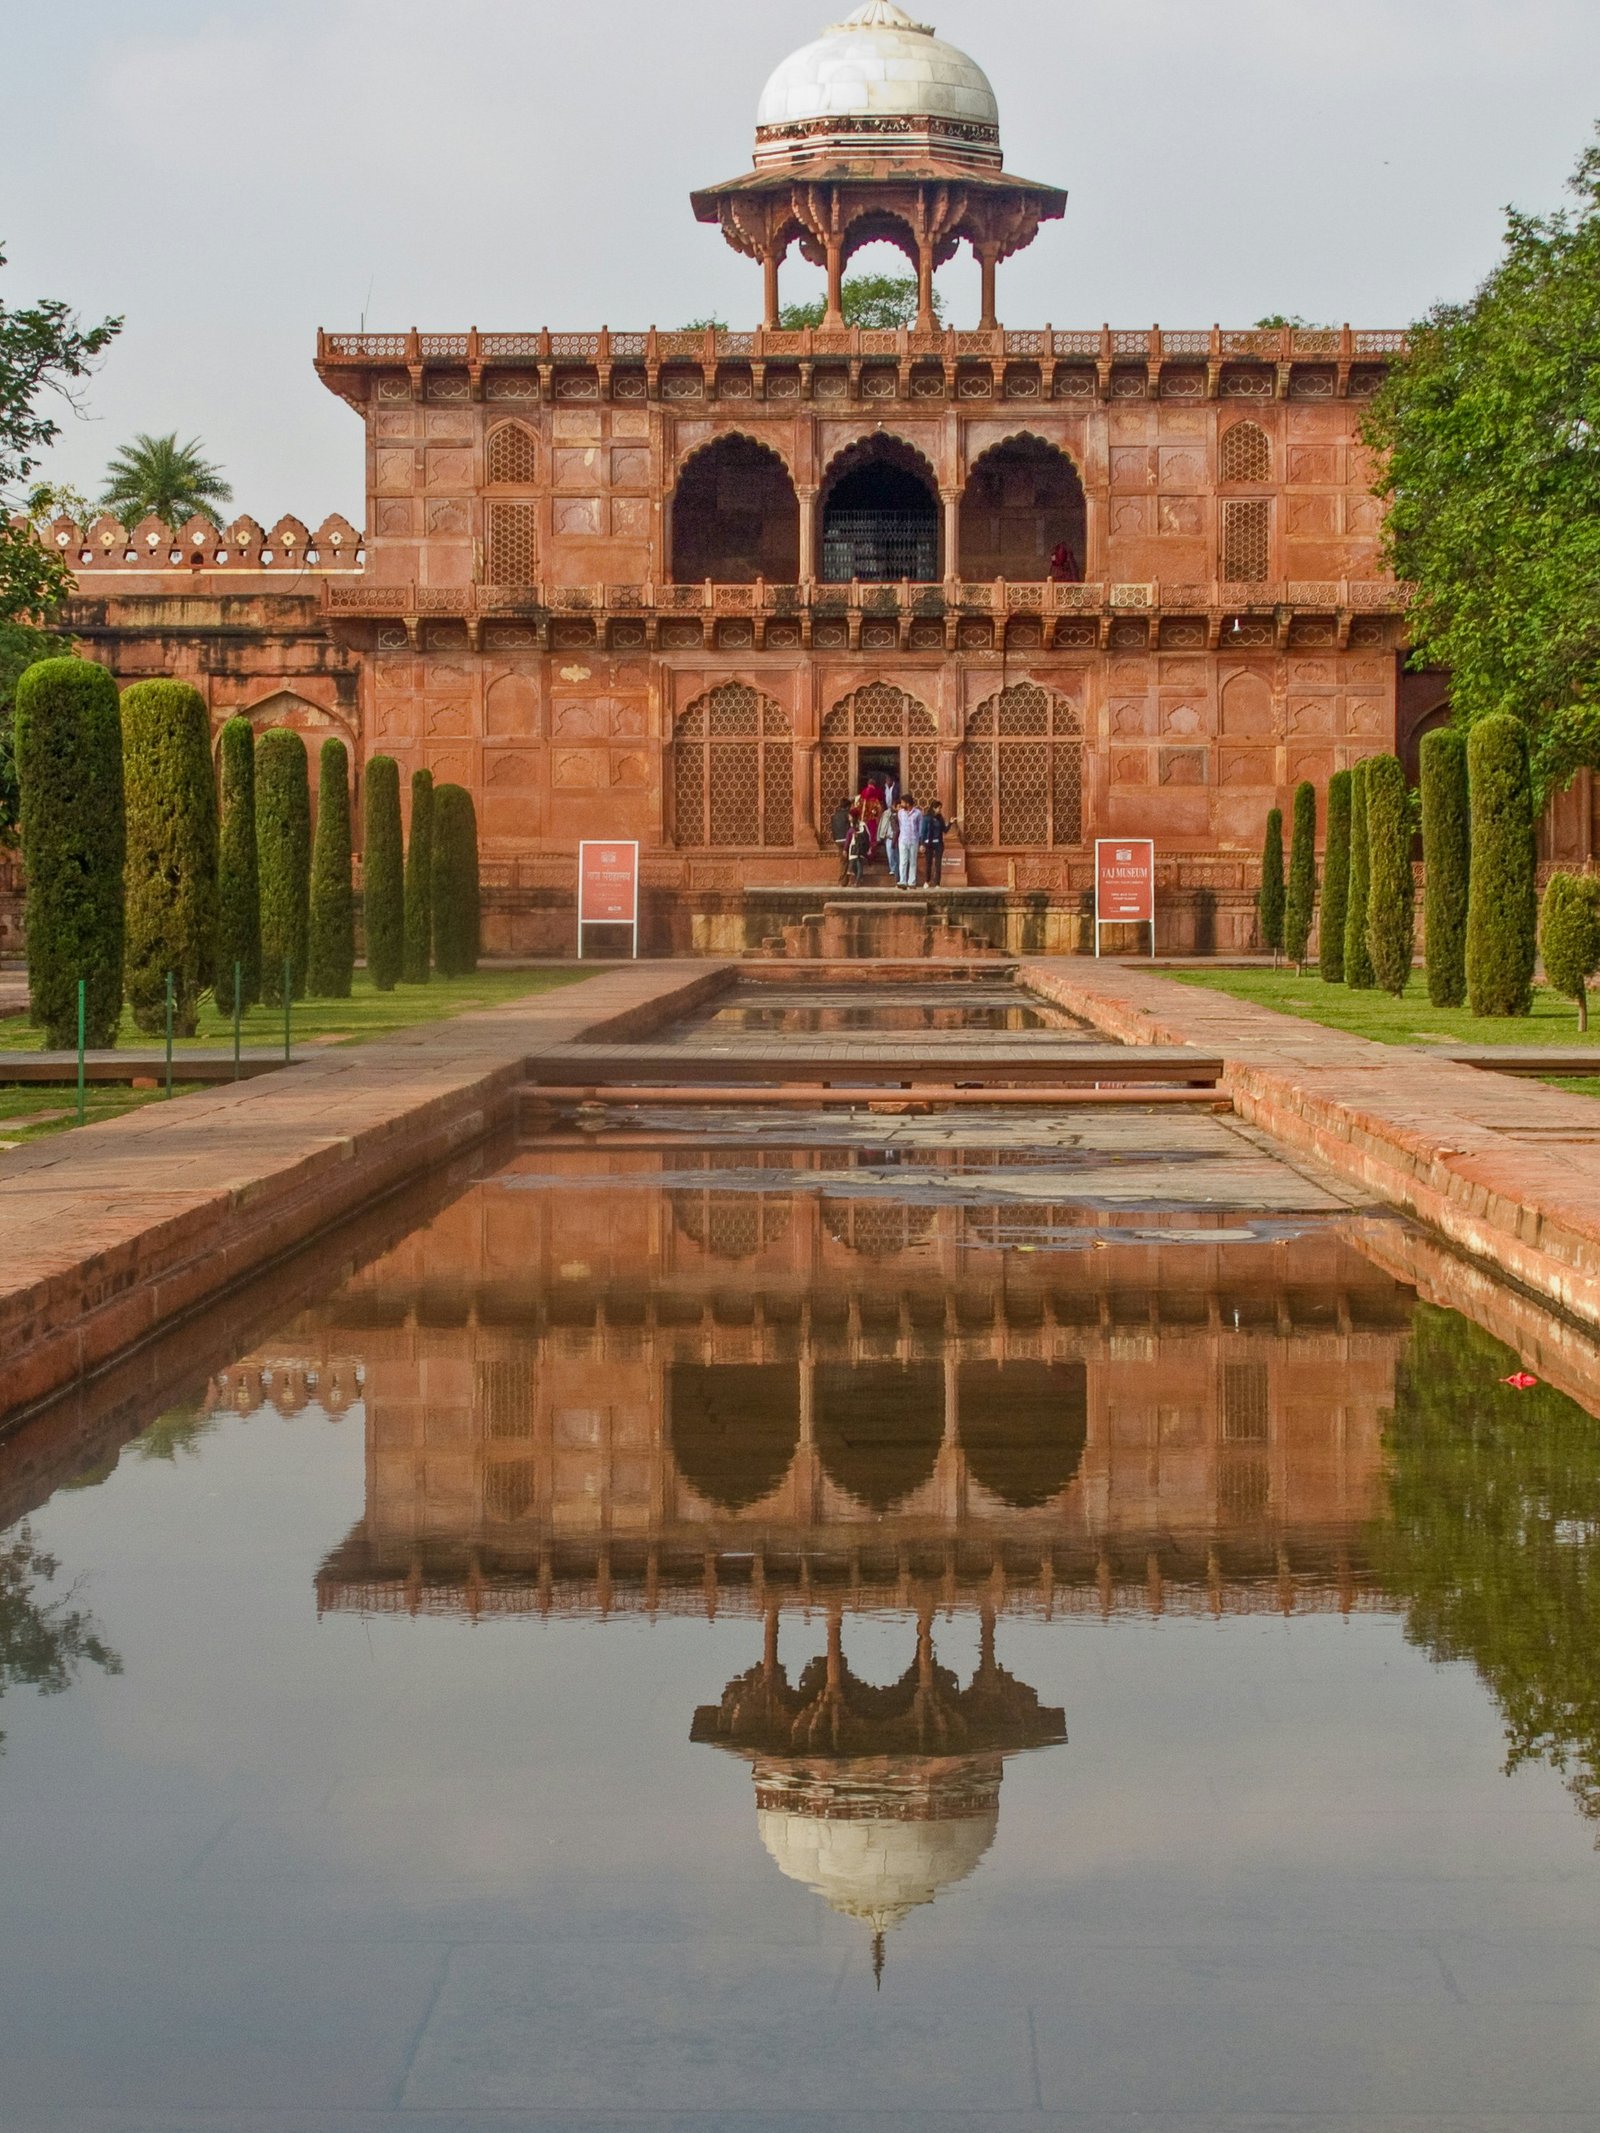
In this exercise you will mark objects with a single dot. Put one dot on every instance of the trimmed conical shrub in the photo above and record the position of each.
(455, 882)
(238, 870)
(1299, 906)
(383, 896)
(1446, 863)
(283, 846)
(67, 734)
(419, 881)
(1391, 891)
(171, 869)
(331, 942)
(1335, 881)
(1501, 895)
(1569, 936)
(1269, 897)
(1357, 957)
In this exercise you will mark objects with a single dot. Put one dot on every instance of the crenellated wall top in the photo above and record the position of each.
(289, 545)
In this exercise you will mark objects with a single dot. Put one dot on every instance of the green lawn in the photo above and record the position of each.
(1412, 1019)
(364, 1015)
(28, 1114)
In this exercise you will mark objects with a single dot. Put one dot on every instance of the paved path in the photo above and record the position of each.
(108, 1232)
(1506, 1169)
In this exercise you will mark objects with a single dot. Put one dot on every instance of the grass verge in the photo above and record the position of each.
(1412, 1019)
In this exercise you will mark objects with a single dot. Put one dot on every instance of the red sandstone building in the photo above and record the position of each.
(691, 587)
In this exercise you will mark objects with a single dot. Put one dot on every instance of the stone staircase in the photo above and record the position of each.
(888, 926)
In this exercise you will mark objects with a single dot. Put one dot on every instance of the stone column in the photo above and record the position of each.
(835, 312)
(987, 258)
(808, 533)
(926, 321)
(951, 499)
(769, 267)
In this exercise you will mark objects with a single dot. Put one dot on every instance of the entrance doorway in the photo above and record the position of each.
(878, 766)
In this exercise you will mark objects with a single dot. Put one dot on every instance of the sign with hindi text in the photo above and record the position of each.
(608, 887)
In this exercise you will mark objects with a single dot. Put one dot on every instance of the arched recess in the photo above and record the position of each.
(733, 772)
(735, 1428)
(1023, 1426)
(1023, 500)
(735, 516)
(875, 718)
(1022, 771)
(510, 457)
(878, 515)
(1245, 453)
(878, 1427)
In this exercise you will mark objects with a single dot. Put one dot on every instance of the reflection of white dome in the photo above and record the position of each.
(876, 1869)
(880, 81)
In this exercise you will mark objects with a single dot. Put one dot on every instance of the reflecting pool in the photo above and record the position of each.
(991, 1623)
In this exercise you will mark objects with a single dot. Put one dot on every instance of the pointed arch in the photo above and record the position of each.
(1022, 771)
(735, 515)
(511, 456)
(1245, 453)
(733, 772)
(1023, 502)
(878, 711)
(878, 514)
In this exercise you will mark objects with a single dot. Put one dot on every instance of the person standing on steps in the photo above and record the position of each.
(908, 826)
(839, 831)
(859, 850)
(933, 828)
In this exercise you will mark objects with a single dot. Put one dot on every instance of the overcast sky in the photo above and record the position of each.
(232, 175)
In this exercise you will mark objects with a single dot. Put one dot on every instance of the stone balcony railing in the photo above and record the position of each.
(949, 615)
(820, 362)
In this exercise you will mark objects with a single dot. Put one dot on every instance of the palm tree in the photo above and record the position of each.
(173, 480)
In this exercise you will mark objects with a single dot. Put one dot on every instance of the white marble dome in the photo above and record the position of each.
(878, 79)
(872, 1868)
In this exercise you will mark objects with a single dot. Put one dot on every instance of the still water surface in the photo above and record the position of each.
(851, 1637)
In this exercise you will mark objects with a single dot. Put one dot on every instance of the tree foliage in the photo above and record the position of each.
(419, 881)
(1300, 903)
(175, 481)
(283, 848)
(1489, 431)
(383, 906)
(1270, 894)
(1569, 936)
(1335, 881)
(69, 766)
(1447, 863)
(170, 875)
(331, 942)
(1391, 888)
(43, 1643)
(876, 301)
(456, 894)
(1491, 1542)
(238, 870)
(1502, 909)
(1357, 956)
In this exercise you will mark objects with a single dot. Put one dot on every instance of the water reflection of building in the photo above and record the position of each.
(877, 1798)
(608, 1399)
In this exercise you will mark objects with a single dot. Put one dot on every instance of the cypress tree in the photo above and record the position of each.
(1391, 894)
(283, 846)
(171, 870)
(1357, 960)
(1335, 881)
(1569, 936)
(1300, 903)
(67, 734)
(331, 947)
(455, 882)
(1269, 897)
(1446, 860)
(1501, 905)
(238, 870)
(383, 874)
(419, 881)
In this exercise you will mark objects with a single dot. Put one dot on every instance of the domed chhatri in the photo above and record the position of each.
(878, 82)
(878, 131)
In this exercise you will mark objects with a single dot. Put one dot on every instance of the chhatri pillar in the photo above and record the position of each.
(878, 131)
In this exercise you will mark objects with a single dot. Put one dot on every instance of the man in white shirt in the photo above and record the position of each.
(908, 827)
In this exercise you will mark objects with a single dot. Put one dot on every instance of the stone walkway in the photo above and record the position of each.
(1505, 1169)
(111, 1231)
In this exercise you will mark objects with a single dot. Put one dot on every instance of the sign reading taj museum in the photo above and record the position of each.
(693, 588)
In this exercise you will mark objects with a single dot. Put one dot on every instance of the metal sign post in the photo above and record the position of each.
(1125, 885)
(608, 888)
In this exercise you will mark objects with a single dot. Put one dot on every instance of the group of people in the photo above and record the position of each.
(884, 825)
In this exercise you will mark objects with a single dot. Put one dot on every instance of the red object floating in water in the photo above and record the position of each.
(1519, 1381)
